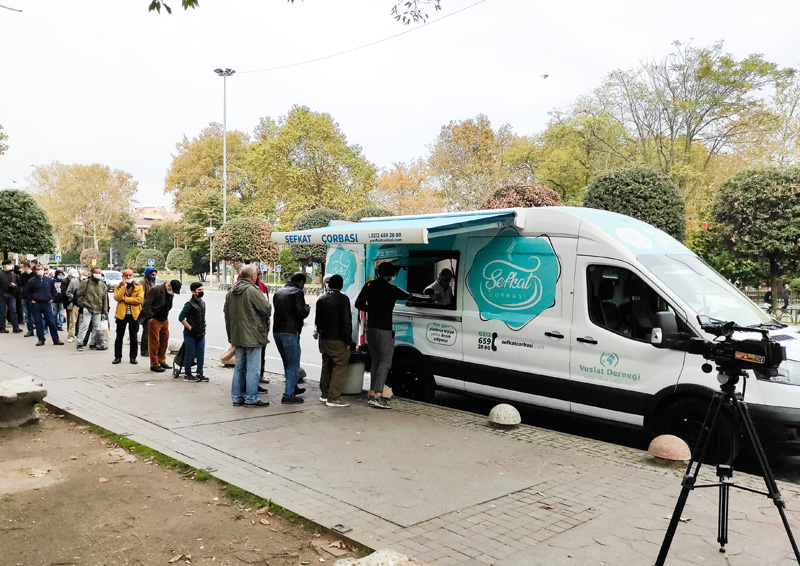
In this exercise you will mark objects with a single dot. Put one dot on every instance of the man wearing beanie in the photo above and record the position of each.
(157, 304)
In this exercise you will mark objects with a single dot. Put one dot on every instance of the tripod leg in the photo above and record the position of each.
(766, 472)
(722, 517)
(690, 476)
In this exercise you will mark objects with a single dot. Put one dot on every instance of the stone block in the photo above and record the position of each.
(18, 399)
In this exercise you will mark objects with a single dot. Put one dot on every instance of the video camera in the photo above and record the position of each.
(763, 356)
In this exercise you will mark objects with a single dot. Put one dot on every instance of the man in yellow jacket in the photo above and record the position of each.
(129, 296)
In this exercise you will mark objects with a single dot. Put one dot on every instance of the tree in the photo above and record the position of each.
(405, 11)
(123, 240)
(130, 258)
(3, 141)
(200, 264)
(368, 212)
(163, 237)
(84, 199)
(25, 227)
(180, 259)
(302, 161)
(642, 193)
(245, 239)
(528, 195)
(91, 257)
(309, 253)
(465, 161)
(288, 263)
(406, 189)
(144, 257)
(758, 212)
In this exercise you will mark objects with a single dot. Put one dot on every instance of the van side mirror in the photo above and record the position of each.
(665, 332)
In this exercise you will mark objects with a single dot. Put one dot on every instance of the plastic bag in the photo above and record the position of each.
(228, 357)
(101, 337)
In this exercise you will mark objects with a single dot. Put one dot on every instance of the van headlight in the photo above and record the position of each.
(788, 373)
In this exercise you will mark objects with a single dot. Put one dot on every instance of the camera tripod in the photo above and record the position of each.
(727, 397)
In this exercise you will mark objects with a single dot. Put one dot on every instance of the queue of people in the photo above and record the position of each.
(47, 302)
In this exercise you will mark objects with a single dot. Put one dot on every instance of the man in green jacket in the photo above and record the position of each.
(247, 314)
(92, 299)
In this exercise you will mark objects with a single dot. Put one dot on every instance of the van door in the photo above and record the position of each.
(614, 368)
(516, 318)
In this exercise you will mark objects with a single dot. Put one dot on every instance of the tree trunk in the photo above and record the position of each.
(775, 281)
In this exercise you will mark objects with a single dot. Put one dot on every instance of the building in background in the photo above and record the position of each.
(146, 216)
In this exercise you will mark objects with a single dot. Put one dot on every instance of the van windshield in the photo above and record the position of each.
(704, 290)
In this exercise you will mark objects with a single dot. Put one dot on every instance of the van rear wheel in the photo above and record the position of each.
(684, 418)
(411, 378)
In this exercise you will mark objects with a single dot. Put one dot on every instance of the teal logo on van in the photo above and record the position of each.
(609, 360)
(343, 262)
(513, 279)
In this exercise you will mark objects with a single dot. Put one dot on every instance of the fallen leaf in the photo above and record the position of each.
(176, 558)
(103, 480)
(264, 522)
(682, 519)
(37, 473)
(540, 493)
(340, 544)
(546, 507)
(263, 510)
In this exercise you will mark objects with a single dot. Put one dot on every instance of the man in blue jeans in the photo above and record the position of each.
(247, 324)
(290, 312)
(193, 319)
(42, 291)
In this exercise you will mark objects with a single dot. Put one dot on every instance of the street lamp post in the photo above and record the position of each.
(210, 231)
(224, 73)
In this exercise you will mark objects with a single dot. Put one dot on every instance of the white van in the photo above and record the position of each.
(554, 307)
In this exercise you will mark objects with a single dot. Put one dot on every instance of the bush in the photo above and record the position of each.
(179, 259)
(369, 211)
(142, 260)
(130, 259)
(527, 195)
(642, 193)
(317, 218)
(245, 238)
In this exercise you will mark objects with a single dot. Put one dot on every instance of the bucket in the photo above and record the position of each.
(354, 382)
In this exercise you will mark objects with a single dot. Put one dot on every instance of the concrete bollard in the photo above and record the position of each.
(18, 399)
(504, 416)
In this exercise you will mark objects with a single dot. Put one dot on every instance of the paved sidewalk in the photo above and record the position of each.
(436, 484)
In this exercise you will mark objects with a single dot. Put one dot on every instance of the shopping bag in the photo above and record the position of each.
(228, 357)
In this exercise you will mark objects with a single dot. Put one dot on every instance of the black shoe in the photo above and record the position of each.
(257, 404)
(201, 377)
(238, 403)
(116, 360)
(17, 330)
(28, 334)
(299, 390)
(40, 343)
(59, 328)
(92, 347)
(190, 377)
(3, 331)
(293, 400)
(157, 369)
(80, 347)
(262, 389)
(134, 361)
(58, 343)
(166, 366)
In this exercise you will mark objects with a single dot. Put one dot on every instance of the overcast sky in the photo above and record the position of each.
(104, 81)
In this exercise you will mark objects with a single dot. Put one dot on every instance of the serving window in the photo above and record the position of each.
(433, 273)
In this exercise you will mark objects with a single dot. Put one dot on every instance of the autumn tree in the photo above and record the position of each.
(163, 237)
(317, 218)
(758, 214)
(303, 161)
(84, 199)
(25, 227)
(643, 193)
(91, 257)
(144, 257)
(245, 239)
(465, 161)
(3, 141)
(528, 195)
(406, 189)
(369, 212)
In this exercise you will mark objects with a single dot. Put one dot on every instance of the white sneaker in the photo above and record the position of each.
(336, 403)
(323, 400)
(71, 340)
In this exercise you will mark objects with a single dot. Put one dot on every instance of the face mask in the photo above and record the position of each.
(170, 291)
(97, 276)
(128, 280)
(58, 278)
(200, 294)
(39, 273)
(8, 267)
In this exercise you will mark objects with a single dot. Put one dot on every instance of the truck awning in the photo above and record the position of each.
(398, 230)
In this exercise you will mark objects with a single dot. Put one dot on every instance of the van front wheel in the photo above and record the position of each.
(410, 378)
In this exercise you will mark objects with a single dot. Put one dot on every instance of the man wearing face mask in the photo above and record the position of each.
(9, 291)
(193, 319)
(42, 292)
(129, 296)
(58, 304)
(150, 280)
(25, 276)
(157, 305)
(92, 299)
(72, 280)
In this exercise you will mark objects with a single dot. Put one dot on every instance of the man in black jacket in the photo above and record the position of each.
(334, 323)
(9, 292)
(291, 310)
(27, 311)
(193, 319)
(157, 304)
(41, 290)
